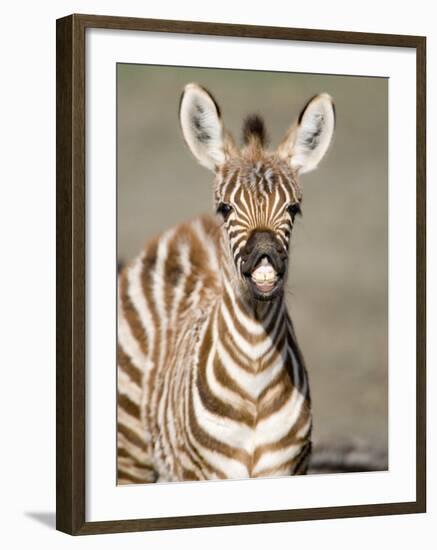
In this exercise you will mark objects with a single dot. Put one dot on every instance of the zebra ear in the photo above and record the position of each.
(309, 138)
(202, 126)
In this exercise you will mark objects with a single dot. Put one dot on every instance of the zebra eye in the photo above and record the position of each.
(294, 210)
(224, 210)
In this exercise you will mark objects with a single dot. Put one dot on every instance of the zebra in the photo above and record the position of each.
(211, 381)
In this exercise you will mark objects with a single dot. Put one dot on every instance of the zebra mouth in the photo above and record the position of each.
(264, 280)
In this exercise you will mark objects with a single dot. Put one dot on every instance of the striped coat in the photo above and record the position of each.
(220, 391)
(211, 381)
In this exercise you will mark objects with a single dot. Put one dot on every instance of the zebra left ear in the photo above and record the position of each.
(202, 126)
(309, 138)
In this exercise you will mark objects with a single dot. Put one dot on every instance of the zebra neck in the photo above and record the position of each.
(255, 310)
(253, 333)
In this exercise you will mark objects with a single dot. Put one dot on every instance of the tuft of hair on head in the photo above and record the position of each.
(254, 131)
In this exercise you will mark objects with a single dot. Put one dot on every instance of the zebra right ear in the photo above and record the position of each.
(309, 138)
(202, 126)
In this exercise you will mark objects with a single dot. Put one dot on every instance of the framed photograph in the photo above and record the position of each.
(240, 274)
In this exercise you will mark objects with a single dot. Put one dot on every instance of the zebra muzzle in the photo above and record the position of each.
(264, 275)
(264, 265)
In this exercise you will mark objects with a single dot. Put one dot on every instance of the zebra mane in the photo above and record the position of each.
(254, 130)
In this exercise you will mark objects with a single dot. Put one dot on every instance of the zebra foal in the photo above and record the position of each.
(211, 381)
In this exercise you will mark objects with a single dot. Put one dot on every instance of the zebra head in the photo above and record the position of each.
(257, 191)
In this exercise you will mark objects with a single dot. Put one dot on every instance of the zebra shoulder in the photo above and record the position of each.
(183, 257)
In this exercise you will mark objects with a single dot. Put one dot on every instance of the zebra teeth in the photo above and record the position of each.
(262, 278)
(264, 273)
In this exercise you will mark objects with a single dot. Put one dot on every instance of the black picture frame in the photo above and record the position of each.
(71, 283)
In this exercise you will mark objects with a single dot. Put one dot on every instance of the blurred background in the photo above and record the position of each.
(337, 291)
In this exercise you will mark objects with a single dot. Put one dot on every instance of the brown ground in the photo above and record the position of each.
(338, 287)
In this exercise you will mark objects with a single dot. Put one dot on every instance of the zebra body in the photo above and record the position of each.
(211, 381)
(205, 367)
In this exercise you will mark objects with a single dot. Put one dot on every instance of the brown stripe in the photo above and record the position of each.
(226, 380)
(290, 438)
(279, 401)
(264, 401)
(231, 347)
(296, 466)
(252, 339)
(122, 452)
(126, 365)
(130, 313)
(130, 478)
(128, 405)
(131, 436)
(189, 475)
(275, 470)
